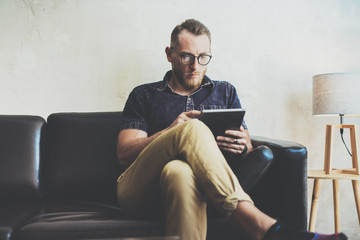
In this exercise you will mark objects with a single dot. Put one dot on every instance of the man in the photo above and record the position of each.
(174, 162)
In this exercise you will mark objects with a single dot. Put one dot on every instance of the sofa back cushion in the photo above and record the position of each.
(21, 139)
(81, 160)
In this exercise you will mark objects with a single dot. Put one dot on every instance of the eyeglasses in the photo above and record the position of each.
(188, 59)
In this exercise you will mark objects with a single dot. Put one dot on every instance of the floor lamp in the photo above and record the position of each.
(337, 94)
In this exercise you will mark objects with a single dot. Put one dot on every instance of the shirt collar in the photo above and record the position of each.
(165, 84)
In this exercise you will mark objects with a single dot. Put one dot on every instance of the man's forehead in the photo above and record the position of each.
(190, 40)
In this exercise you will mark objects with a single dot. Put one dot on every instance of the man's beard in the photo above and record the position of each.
(189, 83)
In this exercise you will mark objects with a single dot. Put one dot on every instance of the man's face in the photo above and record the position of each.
(189, 76)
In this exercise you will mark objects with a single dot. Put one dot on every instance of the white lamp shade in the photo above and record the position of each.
(336, 93)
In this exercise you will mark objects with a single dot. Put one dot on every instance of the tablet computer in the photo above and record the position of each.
(220, 120)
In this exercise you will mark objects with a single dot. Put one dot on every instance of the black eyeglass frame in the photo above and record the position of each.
(181, 55)
(193, 58)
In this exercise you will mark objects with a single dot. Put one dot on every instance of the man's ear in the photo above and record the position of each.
(168, 54)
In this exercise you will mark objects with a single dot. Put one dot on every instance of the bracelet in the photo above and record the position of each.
(245, 150)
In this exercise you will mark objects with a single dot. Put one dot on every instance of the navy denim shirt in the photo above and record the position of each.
(153, 107)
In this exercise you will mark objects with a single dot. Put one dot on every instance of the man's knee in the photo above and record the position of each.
(176, 172)
(195, 128)
(197, 124)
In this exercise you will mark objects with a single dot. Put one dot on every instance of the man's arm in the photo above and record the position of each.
(132, 141)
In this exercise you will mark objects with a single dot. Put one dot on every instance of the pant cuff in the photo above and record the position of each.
(231, 202)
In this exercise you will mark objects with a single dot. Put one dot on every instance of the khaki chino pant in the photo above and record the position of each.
(179, 171)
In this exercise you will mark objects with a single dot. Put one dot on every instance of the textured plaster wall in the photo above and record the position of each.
(86, 55)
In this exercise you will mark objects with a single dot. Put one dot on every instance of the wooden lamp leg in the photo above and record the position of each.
(336, 205)
(328, 152)
(355, 148)
(356, 188)
(314, 205)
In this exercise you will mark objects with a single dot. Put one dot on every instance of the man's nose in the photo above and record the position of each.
(195, 65)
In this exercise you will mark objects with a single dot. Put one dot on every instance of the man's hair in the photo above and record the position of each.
(193, 26)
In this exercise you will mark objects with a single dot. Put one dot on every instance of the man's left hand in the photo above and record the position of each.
(234, 141)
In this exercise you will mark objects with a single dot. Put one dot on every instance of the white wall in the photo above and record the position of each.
(87, 55)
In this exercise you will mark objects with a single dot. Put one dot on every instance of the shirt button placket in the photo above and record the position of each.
(189, 104)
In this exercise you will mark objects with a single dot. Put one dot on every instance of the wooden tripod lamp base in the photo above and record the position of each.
(354, 136)
(335, 175)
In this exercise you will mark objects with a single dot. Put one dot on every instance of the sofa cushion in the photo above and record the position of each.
(77, 220)
(81, 160)
(13, 214)
(85, 220)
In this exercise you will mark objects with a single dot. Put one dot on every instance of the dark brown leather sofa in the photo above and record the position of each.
(58, 181)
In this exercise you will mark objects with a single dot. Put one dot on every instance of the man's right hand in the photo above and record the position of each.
(184, 117)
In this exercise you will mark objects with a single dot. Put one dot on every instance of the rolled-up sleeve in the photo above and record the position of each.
(134, 116)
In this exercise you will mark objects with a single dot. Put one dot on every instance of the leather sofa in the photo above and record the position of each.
(58, 181)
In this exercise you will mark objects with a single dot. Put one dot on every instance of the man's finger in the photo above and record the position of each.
(193, 113)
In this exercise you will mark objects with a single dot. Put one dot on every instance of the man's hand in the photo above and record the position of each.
(235, 141)
(185, 116)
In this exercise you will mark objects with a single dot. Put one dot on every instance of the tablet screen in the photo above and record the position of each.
(220, 120)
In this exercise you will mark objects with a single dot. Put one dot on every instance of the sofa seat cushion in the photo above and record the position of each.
(79, 220)
(13, 214)
(85, 220)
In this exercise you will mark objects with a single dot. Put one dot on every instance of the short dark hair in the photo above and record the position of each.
(191, 25)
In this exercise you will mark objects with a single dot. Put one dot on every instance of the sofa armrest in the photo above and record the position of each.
(282, 193)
